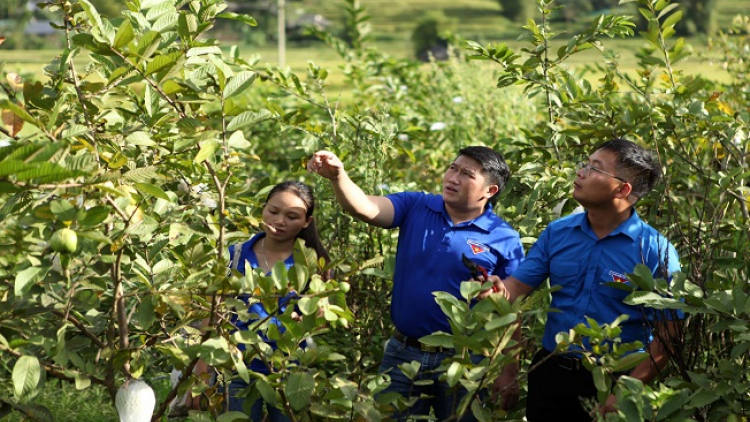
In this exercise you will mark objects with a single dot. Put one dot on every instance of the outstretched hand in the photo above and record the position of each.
(326, 164)
(498, 287)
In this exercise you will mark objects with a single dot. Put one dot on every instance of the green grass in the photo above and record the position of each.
(70, 405)
(90, 405)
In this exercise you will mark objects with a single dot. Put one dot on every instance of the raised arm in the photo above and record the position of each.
(375, 210)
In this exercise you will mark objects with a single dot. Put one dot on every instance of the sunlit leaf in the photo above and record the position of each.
(27, 377)
(239, 83)
(299, 388)
(124, 34)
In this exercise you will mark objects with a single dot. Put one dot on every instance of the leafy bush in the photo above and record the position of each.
(158, 152)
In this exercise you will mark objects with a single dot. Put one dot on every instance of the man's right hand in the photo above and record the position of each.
(326, 164)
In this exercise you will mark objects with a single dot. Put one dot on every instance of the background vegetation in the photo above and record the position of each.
(156, 147)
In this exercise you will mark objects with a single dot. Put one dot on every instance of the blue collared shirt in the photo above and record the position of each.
(428, 258)
(248, 255)
(575, 259)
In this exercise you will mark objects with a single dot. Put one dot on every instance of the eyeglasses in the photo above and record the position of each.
(585, 169)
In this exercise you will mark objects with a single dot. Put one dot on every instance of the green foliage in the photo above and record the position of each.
(156, 145)
(700, 132)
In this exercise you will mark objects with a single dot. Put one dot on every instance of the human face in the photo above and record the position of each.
(601, 186)
(465, 185)
(285, 216)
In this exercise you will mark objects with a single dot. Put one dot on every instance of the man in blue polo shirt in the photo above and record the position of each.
(580, 254)
(435, 230)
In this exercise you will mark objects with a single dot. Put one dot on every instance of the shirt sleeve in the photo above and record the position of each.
(511, 256)
(534, 269)
(402, 203)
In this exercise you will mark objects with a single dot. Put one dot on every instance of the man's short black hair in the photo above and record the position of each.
(635, 164)
(494, 167)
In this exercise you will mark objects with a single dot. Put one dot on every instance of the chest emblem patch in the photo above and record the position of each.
(618, 278)
(477, 247)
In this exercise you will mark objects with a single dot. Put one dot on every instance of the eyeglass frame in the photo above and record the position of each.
(581, 165)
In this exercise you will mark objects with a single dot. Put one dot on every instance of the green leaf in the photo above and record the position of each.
(96, 236)
(208, 148)
(25, 279)
(93, 15)
(8, 167)
(299, 389)
(148, 43)
(63, 210)
(500, 322)
(27, 377)
(160, 10)
(45, 173)
(242, 18)
(482, 413)
(152, 190)
(202, 51)
(232, 416)
(298, 276)
(266, 391)
(161, 62)
(673, 404)
(187, 25)
(82, 382)
(165, 22)
(667, 9)
(124, 35)
(629, 361)
(248, 118)
(672, 20)
(140, 138)
(653, 300)
(239, 83)
(308, 305)
(600, 378)
(438, 339)
(642, 277)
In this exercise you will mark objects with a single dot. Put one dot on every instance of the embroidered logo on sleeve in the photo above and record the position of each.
(477, 247)
(618, 278)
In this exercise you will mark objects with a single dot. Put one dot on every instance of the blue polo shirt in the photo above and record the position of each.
(428, 258)
(573, 258)
(247, 254)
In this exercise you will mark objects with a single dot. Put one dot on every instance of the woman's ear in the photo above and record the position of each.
(308, 222)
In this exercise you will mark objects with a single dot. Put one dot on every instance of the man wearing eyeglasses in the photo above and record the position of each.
(581, 254)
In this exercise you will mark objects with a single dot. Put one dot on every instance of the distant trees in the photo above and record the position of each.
(11, 9)
(517, 10)
(698, 15)
(697, 18)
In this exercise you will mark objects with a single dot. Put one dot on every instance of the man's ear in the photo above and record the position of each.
(492, 190)
(624, 190)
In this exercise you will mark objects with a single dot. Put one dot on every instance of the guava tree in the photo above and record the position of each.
(123, 182)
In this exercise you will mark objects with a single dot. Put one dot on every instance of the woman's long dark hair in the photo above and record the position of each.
(310, 233)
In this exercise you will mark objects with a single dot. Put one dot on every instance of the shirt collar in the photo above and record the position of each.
(483, 221)
(630, 227)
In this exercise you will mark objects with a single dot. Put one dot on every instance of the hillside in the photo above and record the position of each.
(473, 19)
